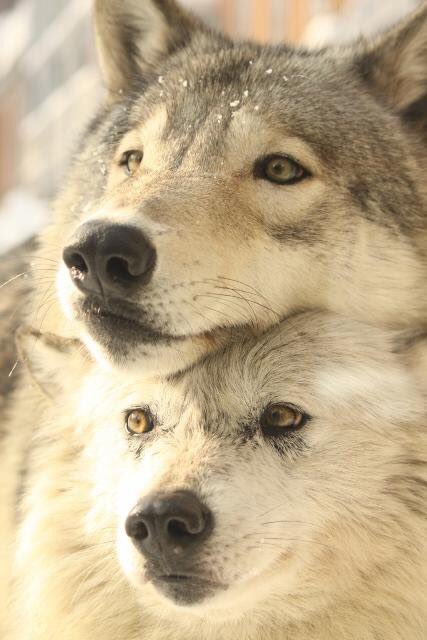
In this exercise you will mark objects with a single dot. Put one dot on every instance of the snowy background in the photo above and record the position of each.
(49, 82)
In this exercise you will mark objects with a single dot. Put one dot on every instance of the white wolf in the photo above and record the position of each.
(274, 491)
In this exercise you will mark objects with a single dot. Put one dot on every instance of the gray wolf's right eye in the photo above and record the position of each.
(131, 161)
(280, 169)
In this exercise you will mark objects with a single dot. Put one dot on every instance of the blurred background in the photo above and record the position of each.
(50, 85)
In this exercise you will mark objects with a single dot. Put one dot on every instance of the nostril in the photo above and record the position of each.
(141, 531)
(177, 529)
(118, 270)
(75, 261)
(78, 263)
(137, 529)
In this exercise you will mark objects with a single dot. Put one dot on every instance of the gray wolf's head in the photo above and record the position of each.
(282, 474)
(229, 184)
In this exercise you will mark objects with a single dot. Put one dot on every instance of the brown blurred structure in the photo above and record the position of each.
(49, 83)
(47, 91)
(267, 20)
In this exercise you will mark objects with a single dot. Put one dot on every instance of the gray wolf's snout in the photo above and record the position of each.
(168, 525)
(110, 259)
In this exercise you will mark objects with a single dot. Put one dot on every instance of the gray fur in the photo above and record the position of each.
(360, 242)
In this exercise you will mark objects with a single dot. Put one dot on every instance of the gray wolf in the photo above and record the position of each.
(228, 184)
(276, 490)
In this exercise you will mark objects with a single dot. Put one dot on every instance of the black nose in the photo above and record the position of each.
(111, 259)
(169, 524)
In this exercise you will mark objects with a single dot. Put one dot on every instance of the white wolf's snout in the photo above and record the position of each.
(169, 529)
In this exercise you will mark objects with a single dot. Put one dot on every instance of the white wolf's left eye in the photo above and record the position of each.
(138, 421)
(280, 169)
(279, 418)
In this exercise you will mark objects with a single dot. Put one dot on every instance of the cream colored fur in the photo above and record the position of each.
(326, 541)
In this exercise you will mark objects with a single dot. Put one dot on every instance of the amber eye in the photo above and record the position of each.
(280, 169)
(131, 161)
(138, 421)
(277, 419)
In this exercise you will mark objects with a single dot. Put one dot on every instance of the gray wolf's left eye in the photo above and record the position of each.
(281, 418)
(131, 161)
(280, 169)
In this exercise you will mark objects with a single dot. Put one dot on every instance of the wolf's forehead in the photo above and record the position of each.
(215, 92)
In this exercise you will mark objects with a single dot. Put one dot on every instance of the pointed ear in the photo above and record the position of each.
(135, 36)
(48, 358)
(395, 67)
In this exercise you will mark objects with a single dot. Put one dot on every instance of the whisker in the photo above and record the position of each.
(262, 515)
(221, 296)
(42, 278)
(259, 304)
(245, 284)
(47, 296)
(198, 312)
(222, 313)
(241, 309)
(36, 257)
(46, 314)
(242, 294)
(19, 275)
(99, 544)
(11, 372)
(303, 522)
(267, 540)
(286, 522)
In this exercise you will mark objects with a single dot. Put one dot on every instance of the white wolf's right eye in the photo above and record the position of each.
(138, 421)
(279, 418)
(131, 161)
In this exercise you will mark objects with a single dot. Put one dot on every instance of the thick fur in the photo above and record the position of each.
(235, 254)
(234, 249)
(320, 534)
(14, 294)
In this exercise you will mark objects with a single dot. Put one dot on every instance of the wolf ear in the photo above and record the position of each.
(47, 358)
(396, 67)
(134, 36)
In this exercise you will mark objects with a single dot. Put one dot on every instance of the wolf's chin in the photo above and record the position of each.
(120, 341)
(150, 359)
(125, 342)
(120, 336)
(184, 591)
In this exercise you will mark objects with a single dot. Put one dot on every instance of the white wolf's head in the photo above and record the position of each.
(283, 474)
(230, 184)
